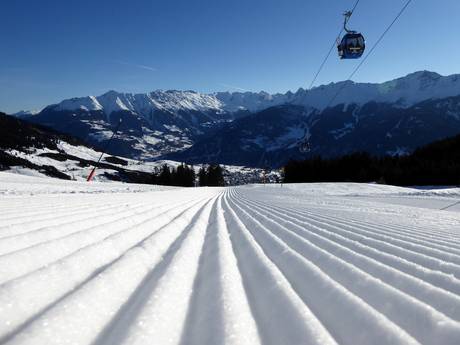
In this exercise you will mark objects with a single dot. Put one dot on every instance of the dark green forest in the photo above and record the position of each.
(435, 164)
(184, 176)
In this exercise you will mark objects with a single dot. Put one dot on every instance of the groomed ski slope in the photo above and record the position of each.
(300, 264)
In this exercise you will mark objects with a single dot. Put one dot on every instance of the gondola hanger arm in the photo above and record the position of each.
(347, 16)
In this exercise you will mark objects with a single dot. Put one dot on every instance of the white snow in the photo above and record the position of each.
(25, 171)
(341, 132)
(26, 113)
(399, 151)
(150, 139)
(89, 103)
(27, 182)
(334, 263)
(101, 135)
(251, 101)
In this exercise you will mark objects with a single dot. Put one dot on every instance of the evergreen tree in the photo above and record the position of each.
(189, 176)
(215, 176)
(182, 176)
(165, 176)
(202, 177)
(435, 164)
(179, 177)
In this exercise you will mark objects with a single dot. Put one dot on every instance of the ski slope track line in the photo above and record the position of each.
(382, 297)
(320, 264)
(445, 281)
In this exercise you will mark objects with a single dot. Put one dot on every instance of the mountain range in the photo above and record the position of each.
(256, 129)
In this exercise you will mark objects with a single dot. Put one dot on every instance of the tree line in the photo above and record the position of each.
(211, 176)
(435, 164)
(184, 176)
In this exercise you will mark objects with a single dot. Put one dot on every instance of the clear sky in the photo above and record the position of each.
(56, 49)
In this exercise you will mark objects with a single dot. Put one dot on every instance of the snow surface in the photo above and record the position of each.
(28, 182)
(89, 103)
(293, 264)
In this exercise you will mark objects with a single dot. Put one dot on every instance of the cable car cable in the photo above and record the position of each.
(324, 61)
(370, 51)
(304, 142)
(331, 49)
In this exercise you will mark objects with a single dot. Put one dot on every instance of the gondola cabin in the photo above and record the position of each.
(352, 46)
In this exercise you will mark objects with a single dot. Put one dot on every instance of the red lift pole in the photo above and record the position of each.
(93, 171)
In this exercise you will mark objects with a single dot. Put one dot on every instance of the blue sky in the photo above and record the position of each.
(55, 49)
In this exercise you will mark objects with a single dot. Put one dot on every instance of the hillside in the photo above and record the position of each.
(272, 137)
(38, 151)
(437, 163)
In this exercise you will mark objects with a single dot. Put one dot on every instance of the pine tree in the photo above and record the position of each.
(180, 176)
(202, 177)
(189, 176)
(165, 176)
(215, 176)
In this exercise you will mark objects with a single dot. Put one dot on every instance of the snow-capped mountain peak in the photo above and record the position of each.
(405, 91)
(423, 75)
(26, 113)
(89, 103)
(184, 100)
(143, 103)
(417, 87)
